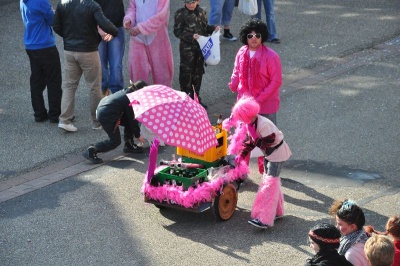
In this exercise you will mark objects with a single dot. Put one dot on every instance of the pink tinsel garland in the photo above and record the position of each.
(206, 191)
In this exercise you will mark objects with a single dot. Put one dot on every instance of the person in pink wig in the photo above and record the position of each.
(150, 47)
(257, 71)
(262, 133)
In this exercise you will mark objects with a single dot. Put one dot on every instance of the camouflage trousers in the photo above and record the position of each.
(191, 69)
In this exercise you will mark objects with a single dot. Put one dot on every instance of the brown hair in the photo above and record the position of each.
(348, 211)
(393, 226)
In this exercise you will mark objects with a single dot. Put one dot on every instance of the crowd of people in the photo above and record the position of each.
(94, 47)
(350, 242)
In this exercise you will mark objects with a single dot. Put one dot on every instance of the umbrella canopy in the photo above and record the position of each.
(174, 117)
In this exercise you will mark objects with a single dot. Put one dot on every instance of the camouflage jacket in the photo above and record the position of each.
(189, 22)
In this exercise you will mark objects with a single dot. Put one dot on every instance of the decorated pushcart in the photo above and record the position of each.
(201, 179)
(197, 182)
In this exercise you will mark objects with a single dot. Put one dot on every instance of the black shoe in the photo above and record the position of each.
(276, 40)
(91, 155)
(228, 36)
(54, 120)
(131, 147)
(257, 223)
(41, 119)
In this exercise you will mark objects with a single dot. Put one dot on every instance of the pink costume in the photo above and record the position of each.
(268, 203)
(150, 51)
(259, 76)
(355, 254)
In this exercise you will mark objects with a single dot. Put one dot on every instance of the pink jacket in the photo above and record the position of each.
(264, 77)
(355, 254)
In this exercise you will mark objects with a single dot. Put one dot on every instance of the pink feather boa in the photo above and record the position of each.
(239, 136)
(206, 191)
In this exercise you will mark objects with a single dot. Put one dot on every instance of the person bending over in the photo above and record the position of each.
(113, 111)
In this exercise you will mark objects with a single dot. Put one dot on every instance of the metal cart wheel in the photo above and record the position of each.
(225, 203)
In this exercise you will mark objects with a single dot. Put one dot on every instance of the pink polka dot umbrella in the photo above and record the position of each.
(176, 118)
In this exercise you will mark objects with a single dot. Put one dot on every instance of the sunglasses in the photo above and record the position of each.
(258, 35)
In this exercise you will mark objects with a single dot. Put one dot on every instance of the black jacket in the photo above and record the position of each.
(76, 22)
(328, 258)
(115, 107)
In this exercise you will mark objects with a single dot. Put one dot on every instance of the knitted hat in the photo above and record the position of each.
(327, 236)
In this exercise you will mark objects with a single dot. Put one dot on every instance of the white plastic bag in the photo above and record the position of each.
(248, 7)
(210, 48)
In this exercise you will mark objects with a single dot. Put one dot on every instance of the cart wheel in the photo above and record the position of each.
(225, 203)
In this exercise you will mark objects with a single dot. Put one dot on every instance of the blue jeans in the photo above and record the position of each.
(221, 12)
(270, 16)
(111, 54)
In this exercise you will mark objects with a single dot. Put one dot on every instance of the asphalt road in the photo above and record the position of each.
(339, 114)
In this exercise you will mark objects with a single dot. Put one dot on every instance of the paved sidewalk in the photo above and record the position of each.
(339, 114)
(76, 164)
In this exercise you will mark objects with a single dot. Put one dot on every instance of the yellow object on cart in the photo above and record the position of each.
(211, 155)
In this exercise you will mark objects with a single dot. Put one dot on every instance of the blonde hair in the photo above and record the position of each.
(379, 250)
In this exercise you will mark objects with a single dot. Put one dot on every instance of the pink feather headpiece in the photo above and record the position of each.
(245, 109)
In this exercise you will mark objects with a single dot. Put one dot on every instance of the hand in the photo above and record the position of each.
(196, 36)
(142, 139)
(217, 28)
(238, 159)
(134, 31)
(127, 24)
(107, 37)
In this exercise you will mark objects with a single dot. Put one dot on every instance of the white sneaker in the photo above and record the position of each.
(68, 127)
